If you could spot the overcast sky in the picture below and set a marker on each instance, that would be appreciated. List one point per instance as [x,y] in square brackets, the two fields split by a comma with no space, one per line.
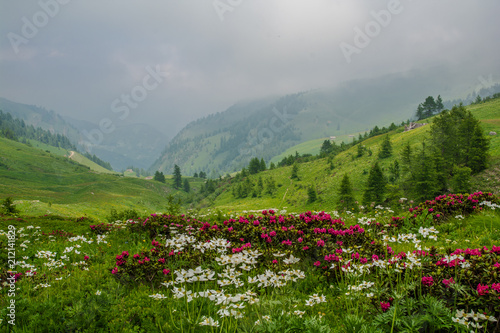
[79,58]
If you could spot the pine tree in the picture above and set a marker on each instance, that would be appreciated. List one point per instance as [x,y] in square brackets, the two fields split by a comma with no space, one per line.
[346,198]
[159,176]
[311,195]
[386,148]
[326,148]
[262,165]
[394,172]
[439,104]
[270,186]
[376,186]
[295,170]
[254,166]
[187,187]
[177,177]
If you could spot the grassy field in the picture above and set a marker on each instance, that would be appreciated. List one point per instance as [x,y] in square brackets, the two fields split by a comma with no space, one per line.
[326,181]
[124,277]
[48,183]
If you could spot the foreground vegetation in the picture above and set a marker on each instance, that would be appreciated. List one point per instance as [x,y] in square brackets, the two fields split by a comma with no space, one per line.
[431,267]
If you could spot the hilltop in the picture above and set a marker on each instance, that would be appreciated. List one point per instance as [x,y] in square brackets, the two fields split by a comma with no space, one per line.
[48,182]
[318,173]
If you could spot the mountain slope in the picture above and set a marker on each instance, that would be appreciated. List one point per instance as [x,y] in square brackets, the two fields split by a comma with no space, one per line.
[293,194]
[226,141]
[128,144]
[48,183]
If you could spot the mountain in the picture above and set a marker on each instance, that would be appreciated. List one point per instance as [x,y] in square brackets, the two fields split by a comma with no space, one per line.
[127,145]
[324,175]
[226,141]
[46,182]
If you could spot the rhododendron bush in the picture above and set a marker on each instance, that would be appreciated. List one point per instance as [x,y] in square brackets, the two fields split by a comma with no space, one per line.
[267,271]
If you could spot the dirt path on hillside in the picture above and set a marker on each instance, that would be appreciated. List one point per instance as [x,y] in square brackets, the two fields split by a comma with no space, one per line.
[71,153]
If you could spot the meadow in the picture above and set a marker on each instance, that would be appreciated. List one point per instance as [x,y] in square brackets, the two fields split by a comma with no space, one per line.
[431,267]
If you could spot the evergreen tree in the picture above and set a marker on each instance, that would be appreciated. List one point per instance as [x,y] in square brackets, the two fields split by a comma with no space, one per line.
[361,150]
[429,107]
[187,187]
[270,186]
[254,166]
[8,207]
[159,176]
[394,172]
[439,104]
[195,175]
[272,166]
[461,179]
[311,195]
[326,148]
[262,165]
[459,140]
[346,198]
[295,170]
[177,177]
[376,186]
[386,148]
[423,176]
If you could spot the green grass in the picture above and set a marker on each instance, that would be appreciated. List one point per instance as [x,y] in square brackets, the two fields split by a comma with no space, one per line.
[292,194]
[44,183]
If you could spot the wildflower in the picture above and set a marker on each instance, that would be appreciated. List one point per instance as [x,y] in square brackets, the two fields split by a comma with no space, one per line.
[448,282]
[98,292]
[86,258]
[166,271]
[321,242]
[385,306]
[209,322]
[482,290]
[427,281]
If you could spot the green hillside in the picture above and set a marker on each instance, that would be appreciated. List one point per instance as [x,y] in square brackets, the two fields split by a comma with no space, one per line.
[48,183]
[293,194]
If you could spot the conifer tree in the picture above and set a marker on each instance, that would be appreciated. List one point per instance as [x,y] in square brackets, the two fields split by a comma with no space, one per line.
[295,170]
[177,177]
[262,165]
[386,148]
[311,195]
[346,198]
[187,187]
[375,187]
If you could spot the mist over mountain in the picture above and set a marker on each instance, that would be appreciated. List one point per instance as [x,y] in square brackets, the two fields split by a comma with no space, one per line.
[127,144]
[226,141]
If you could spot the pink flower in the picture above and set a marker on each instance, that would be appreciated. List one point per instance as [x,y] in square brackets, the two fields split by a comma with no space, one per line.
[448,282]
[272,233]
[264,235]
[305,248]
[321,242]
[114,270]
[275,261]
[385,306]
[86,258]
[431,210]
[287,242]
[374,257]
[497,265]
[427,281]
[166,271]
[496,287]
[125,254]
[482,290]
[299,239]
[161,260]
[317,264]
[256,223]
[284,228]
[136,256]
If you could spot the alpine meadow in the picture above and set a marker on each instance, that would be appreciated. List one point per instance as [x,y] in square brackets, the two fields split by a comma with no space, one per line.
[233,166]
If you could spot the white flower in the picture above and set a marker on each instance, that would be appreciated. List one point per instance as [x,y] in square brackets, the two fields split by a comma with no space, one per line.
[98,292]
[209,322]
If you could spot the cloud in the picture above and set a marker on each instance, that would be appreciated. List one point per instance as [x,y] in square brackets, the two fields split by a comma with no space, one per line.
[91,52]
